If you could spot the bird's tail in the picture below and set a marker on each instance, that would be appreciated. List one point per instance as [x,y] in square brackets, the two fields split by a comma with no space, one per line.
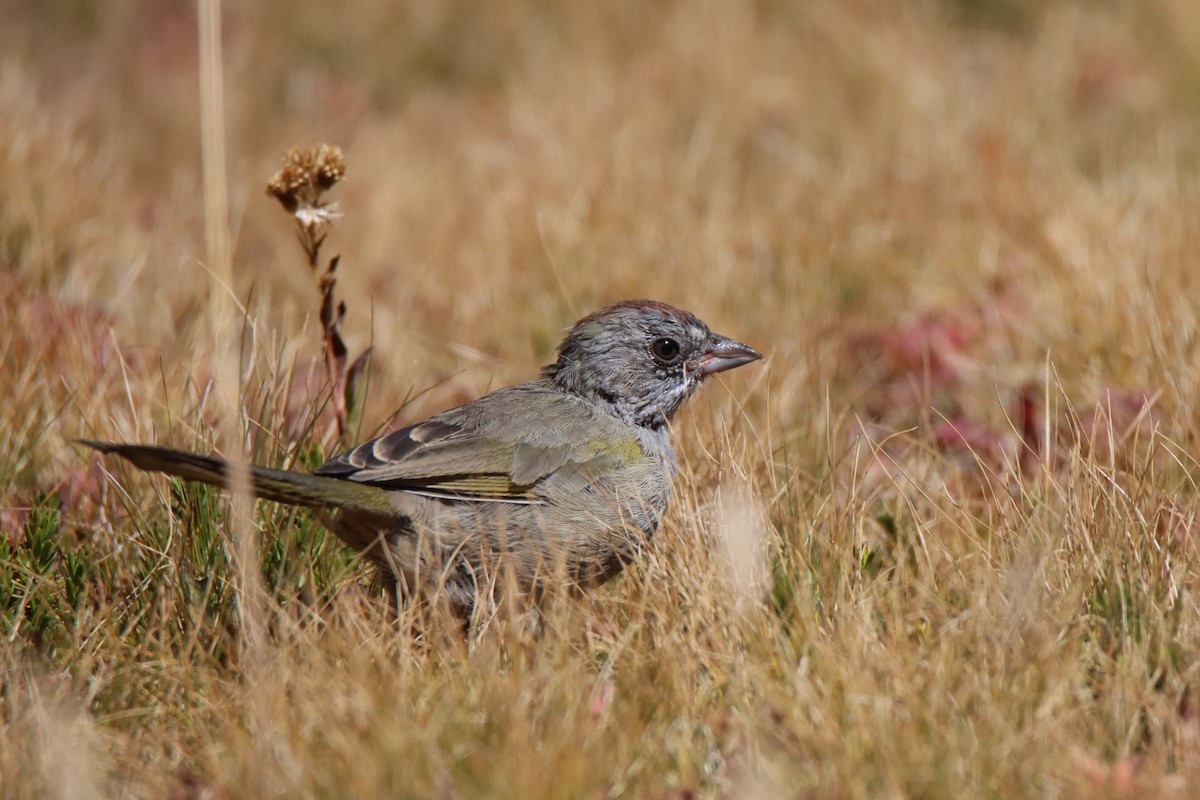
[293,488]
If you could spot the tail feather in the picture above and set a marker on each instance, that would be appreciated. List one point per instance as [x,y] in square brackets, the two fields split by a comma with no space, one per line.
[281,486]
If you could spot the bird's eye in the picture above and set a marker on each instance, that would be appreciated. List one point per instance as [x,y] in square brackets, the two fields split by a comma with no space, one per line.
[665,349]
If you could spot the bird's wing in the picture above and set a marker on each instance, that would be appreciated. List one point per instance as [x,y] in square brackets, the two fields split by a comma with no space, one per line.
[508,446]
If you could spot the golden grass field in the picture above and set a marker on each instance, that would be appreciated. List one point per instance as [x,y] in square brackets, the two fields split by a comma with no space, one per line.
[939,545]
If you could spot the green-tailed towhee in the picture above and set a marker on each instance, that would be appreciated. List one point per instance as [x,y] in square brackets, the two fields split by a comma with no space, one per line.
[566,475]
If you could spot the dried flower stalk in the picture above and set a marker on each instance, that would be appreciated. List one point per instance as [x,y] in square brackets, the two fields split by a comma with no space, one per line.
[300,187]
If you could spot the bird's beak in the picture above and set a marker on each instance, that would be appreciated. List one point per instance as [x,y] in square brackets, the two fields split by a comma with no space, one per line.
[723,354]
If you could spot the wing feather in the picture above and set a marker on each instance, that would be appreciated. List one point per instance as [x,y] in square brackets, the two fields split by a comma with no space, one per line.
[475,451]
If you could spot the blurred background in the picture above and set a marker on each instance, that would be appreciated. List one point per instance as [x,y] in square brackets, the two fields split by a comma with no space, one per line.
[796,173]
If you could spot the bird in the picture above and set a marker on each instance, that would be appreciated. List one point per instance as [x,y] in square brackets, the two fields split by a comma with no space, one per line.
[564,478]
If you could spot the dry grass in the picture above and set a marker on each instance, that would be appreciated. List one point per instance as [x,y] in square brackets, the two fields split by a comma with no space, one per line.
[939,546]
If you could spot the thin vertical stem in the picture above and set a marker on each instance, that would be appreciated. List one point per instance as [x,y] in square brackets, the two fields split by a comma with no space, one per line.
[222,309]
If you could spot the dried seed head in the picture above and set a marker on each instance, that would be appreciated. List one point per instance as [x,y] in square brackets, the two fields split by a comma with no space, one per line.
[329,165]
[308,172]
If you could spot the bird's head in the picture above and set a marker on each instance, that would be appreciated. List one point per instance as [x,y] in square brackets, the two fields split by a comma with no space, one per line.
[642,359]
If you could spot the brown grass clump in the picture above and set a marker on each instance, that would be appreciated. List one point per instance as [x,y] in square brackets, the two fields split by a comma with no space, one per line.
[942,545]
